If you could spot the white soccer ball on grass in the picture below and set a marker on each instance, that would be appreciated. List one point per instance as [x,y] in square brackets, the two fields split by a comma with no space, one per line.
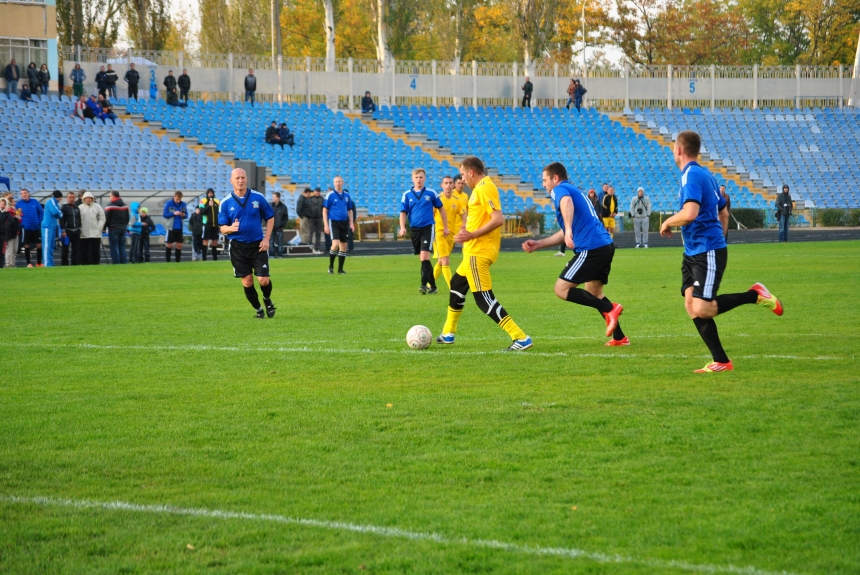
[419,337]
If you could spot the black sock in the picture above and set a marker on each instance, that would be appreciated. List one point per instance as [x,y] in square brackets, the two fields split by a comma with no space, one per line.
[331,256]
[708,330]
[341,257]
[252,296]
[178,253]
[423,274]
[729,301]
[205,252]
[582,297]
[27,255]
[39,256]
[267,290]
[427,274]
[167,254]
[215,253]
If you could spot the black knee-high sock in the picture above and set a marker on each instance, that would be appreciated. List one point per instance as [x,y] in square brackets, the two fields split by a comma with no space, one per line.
[427,274]
[39,256]
[267,290]
[729,301]
[582,297]
[341,257]
[167,254]
[617,334]
[178,253]
[27,254]
[708,330]
[205,252]
[215,253]
[331,255]
[252,296]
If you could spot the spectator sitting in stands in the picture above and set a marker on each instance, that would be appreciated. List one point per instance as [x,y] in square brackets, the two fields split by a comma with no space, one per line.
[80,108]
[95,110]
[286,136]
[26,95]
[272,136]
[367,104]
[106,110]
[173,99]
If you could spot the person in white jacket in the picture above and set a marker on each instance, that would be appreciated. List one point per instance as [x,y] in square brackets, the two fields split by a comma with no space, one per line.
[640,211]
[92,223]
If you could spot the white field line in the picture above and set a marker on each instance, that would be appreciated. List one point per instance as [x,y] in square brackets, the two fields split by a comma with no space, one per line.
[391,532]
[368,351]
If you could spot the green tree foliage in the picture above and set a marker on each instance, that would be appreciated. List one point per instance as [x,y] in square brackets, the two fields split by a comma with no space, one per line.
[237,26]
[148,23]
[89,23]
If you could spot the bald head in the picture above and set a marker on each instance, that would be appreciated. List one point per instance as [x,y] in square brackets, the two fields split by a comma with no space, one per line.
[240,181]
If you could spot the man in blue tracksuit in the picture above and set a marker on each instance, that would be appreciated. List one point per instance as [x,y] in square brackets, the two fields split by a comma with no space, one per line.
[31,223]
[175,211]
[51,227]
[418,204]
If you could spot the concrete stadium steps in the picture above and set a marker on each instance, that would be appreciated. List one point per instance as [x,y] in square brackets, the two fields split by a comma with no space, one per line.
[415,140]
[667,141]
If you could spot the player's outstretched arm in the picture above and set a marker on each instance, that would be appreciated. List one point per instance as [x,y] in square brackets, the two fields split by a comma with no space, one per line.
[530,246]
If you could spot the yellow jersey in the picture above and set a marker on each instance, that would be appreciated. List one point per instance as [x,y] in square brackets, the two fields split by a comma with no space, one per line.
[454,209]
[483,202]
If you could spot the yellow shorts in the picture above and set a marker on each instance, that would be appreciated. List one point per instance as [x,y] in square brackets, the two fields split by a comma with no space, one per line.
[443,246]
[609,223]
[477,271]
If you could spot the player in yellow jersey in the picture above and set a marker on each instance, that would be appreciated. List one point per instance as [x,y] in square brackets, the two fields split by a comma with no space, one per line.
[444,245]
[481,239]
[459,184]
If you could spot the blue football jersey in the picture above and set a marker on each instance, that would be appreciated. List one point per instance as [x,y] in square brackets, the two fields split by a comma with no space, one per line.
[419,206]
[251,211]
[705,233]
[337,205]
[588,230]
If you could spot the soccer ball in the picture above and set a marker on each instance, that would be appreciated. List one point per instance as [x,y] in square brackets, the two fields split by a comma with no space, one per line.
[419,337]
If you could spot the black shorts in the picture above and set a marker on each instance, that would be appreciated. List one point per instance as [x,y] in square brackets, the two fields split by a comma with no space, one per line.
[174,237]
[247,258]
[589,265]
[210,233]
[422,239]
[32,237]
[704,272]
[339,230]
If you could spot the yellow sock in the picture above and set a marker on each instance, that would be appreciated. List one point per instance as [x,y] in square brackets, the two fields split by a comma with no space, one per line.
[451,320]
[446,271]
[438,270]
[511,327]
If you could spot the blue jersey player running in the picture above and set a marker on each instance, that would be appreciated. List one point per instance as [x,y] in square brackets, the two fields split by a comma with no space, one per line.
[239,219]
[704,220]
[581,230]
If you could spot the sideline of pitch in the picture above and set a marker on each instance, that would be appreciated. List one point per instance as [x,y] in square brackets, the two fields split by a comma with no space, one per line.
[391,532]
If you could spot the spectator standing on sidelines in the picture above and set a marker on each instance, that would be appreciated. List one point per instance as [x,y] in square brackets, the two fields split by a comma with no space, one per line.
[101,81]
[420,204]
[184,84]
[31,224]
[209,208]
[195,226]
[71,224]
[175,211]
[281,215]
[110,81]
[147,226]
[116,223]
[703,220]
[640,211]
[132,78]
[303,213]
[608,210]
[78,76]
[12,73]
[33,78]
[4,220]
[92,222]
[337,221]
[315,215]
[784,207]
[134,233]
[250,86]
[528,87]
[169,83]
[45,79]
[578,94]
[12,227]
[240,217]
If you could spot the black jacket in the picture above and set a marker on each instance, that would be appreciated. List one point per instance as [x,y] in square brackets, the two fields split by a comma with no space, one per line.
[116,215]
[10,225]
[12,73]
[209,210]
[271,134]
[251,83]
[315,204]
[44,76]
[71,220]
[528,87]
[4,217]
[783,204]
[281,215]
[33,77]
[195,224]
[184,82]
[101,80]
[111,77]
[302,208]
[609,206]
[146,226]
[170,83]
[132,77]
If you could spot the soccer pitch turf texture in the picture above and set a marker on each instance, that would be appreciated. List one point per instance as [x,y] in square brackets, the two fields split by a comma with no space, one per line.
[150,424]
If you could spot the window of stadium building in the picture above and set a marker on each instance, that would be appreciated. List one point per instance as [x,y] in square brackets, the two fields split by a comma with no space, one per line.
[24,51]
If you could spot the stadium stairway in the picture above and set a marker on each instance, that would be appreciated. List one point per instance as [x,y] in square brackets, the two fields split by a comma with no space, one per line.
[665,139]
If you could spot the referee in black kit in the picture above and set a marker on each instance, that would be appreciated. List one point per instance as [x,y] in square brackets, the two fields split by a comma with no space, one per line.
[239,219]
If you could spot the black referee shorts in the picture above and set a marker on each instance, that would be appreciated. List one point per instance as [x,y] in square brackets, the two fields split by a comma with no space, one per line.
[704,272]
[32,237]
[422,239]
[589,265]
[339,230]
[174,237]
[247,259]
[210,233]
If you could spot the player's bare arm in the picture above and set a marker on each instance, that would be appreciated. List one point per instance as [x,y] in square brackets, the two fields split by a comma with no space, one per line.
[402,231]
[325,221]
[530,246]
[687,214]
[444,222]
[724,220]
[351,220]
[567,215]
[496,221]
[270,225]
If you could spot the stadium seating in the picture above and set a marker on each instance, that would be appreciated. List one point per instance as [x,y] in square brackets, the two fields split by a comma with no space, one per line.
[814,151]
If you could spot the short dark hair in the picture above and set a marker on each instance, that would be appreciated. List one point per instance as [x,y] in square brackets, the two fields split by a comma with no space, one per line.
[276,194]
[556,169]
[307,191]
[114,193]
[690,142]
[473,163]
[457,177]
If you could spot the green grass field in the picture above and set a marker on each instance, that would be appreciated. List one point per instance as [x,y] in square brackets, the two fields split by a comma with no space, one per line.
[149,424]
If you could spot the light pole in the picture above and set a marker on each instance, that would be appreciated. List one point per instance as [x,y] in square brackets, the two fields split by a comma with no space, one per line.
[855,73]
[584,65]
